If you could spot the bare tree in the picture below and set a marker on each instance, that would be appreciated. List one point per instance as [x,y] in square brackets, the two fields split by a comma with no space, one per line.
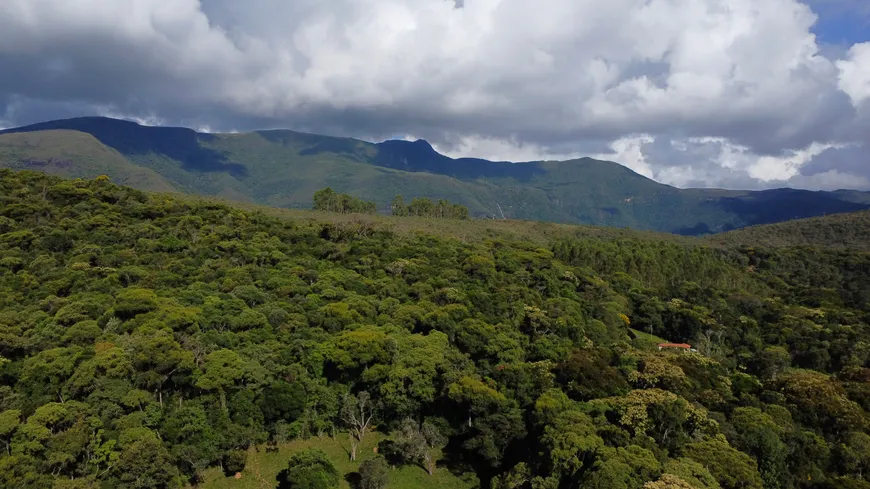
[709,343]
[357,413]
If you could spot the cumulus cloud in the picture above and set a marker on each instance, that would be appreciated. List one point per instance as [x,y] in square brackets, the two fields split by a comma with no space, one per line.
[661,86]
[855,73]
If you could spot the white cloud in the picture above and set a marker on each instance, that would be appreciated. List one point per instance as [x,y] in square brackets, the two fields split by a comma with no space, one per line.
[767,168]
[628,151]
[694,161]
[855,73]
[141,119]
[739,84]
[495,149]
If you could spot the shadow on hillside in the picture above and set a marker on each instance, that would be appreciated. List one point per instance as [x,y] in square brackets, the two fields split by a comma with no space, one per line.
[699,229]
[768,207]
[778,205]
[314,144]
[131,139]
[420,156]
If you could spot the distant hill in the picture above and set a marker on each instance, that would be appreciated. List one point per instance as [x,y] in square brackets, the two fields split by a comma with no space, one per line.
[284,168]
[849,231]
[75,154]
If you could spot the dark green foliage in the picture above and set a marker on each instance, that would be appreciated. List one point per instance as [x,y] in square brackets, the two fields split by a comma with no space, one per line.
[235,461]
[424,207]
[283,401]
[839,231]
[146,338]
[587,374]
[374,473]
[309,469]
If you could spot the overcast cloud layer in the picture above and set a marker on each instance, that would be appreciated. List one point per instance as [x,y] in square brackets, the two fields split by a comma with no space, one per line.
[733,93]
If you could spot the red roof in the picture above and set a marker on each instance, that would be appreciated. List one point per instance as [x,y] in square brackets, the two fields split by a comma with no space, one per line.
[674,345]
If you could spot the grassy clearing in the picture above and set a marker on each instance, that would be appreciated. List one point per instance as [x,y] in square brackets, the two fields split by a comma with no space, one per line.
[263,468]
[645,340]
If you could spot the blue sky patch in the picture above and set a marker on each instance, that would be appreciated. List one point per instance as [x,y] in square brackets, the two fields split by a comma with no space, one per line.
[841,22]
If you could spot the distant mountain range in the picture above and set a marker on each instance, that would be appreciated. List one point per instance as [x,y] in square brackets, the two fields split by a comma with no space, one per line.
[284,168]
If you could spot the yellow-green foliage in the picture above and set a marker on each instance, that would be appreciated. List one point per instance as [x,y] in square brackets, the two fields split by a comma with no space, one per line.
[147,340]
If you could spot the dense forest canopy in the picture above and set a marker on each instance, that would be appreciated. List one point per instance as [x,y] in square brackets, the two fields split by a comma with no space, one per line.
[145,338]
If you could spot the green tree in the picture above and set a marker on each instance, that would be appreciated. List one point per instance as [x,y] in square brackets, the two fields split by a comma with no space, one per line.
[516,478]
[668,481]
[374,473]
[854,454]
[398,206]
[325,200]
[283,401]
[309,469]
[421,207]
[758,434]
[143,461]
[157,357]
[131,302]
[571,442]
[771,362]
[419,443]
[623,468]
[22,472]
[234,461]
[692,472]
[9,422]
[221,371]
[732,468]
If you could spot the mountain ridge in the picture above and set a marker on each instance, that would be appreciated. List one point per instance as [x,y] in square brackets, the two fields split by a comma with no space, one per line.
[283,168]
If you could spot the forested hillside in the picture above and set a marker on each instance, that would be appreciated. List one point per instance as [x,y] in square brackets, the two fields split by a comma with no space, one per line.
[844,231]
[146,338]
[284,168]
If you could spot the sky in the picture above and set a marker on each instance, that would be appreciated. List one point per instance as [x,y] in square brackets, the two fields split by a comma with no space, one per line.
[742,94]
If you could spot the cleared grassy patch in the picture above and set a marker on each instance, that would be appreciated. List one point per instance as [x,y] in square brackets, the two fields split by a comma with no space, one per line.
[645,340]
[263,468]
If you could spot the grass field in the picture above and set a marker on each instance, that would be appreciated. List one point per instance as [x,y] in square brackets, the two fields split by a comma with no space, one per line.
[263,468]
[646,341]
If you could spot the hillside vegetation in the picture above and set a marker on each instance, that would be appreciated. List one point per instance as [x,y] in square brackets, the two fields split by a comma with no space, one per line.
[74,154]
[842,231]
[283,168]
[150,341]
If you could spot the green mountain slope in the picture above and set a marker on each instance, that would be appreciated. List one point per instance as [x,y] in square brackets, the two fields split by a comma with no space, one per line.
[74,154]
[283,168]
[839,231]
